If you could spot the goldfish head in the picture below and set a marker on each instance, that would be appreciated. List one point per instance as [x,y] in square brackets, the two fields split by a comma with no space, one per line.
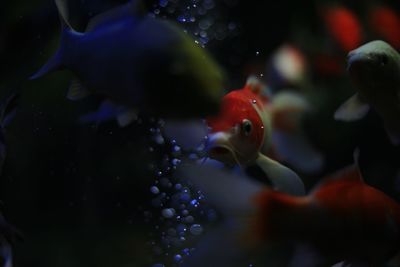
[242,126]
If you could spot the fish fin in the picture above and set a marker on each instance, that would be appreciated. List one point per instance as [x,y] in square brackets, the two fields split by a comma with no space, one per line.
[282,178]
[231,193]
[63,11]
[287,110]
[289,99]
[353,109]
[133,8]
[258,87]
[236,197]
[127,117]
[53,64]
[296,150]
[8,109]
[77,91]
[109,111]
[350,173]
[189,135]
[290,142]
[106,111]
[68,37]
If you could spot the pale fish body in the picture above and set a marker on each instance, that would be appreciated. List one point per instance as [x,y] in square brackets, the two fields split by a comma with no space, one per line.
[374,69]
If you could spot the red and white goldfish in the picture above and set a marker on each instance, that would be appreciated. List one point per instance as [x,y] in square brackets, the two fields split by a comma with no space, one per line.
[242,129]
[342,219]
[139,62]
[250,121]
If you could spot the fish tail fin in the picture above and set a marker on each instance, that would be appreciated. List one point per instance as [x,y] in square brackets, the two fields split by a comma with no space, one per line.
[254,216]
[290,142]
[235,197]
[68,37]
[108,111]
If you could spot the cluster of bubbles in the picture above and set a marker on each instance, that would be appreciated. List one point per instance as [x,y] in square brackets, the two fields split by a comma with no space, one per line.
[200,18]
[179,212]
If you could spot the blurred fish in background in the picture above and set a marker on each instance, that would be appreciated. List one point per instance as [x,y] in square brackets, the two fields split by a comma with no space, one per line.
[374,69]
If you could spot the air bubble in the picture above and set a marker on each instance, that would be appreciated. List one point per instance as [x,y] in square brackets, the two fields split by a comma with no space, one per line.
[196,229]
[168,213]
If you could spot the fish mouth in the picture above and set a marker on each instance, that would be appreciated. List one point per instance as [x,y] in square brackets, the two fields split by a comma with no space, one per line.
[220,148]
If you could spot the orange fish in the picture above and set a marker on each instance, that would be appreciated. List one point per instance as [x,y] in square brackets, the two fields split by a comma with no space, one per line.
[251,120]
[343,219]
[240,132]
[386,23]
[343,26]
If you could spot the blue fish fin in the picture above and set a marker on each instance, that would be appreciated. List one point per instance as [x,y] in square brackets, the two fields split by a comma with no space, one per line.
[8,109]
[68,37]
[109,111]
[353,109]
[77,91]
[53,64]
[133,8]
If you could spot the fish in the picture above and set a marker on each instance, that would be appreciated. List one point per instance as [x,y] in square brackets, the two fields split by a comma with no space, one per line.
[341,219]
[253,124]
[374,71]
[287,67]
[385,22]
[343,26]
[242,129]
[142,63]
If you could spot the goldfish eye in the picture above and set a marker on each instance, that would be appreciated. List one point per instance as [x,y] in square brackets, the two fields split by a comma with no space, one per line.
[247,127]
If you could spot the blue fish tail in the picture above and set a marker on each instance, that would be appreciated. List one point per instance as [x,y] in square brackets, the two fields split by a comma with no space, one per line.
[68,37]
[59,59]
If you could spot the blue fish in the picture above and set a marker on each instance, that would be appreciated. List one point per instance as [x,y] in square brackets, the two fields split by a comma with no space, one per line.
[140,62]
